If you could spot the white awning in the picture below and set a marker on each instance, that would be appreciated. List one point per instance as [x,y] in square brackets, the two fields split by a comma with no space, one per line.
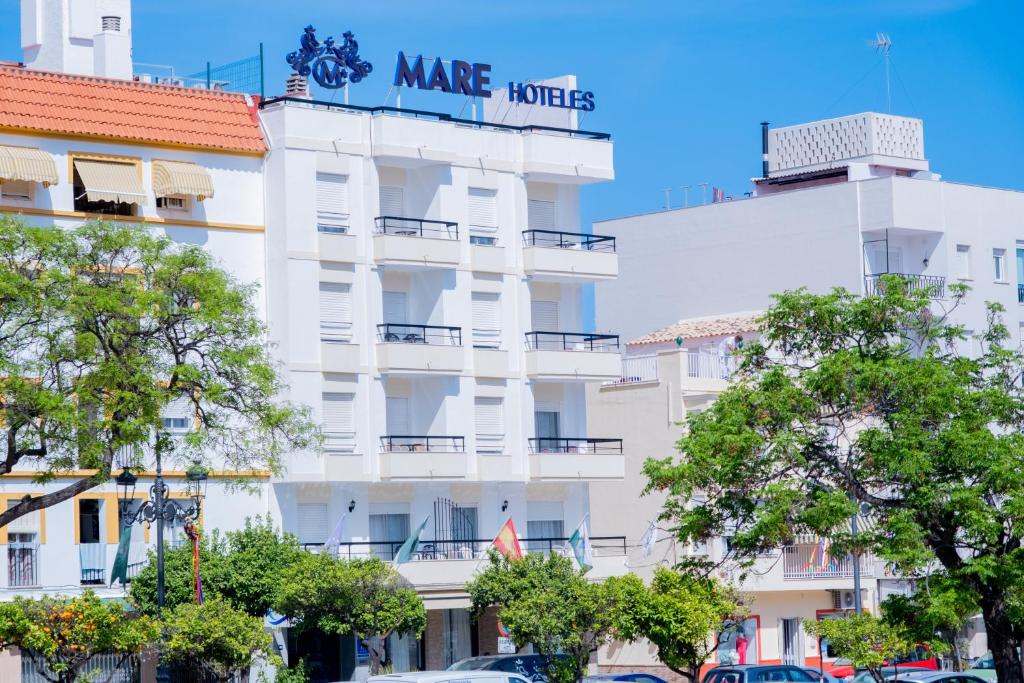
[110,181]
[27,164]
[181,178]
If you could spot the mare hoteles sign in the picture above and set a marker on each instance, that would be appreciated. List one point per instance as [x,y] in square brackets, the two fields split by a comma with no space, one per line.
[473,79]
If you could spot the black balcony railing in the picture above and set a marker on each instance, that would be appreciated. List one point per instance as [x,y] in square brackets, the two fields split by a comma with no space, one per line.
[416,227]
[571,445]
[423,444]
[571,341]
[468,549]
[567,240]
[933,284]
[22,564]
[436,335]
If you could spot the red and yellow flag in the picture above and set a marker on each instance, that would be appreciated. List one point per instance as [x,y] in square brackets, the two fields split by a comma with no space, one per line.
[507,541]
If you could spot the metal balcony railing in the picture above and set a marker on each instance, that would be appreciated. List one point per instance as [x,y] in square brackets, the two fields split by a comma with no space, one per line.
[22,564]
[436,335]
[568,240]
[416,227]
[576,445]
[571,341]
[423,444]
[637,369]
[935,285]
[468,549]
[816,562]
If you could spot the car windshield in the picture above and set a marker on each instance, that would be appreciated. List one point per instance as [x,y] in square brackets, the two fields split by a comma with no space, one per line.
[471,664]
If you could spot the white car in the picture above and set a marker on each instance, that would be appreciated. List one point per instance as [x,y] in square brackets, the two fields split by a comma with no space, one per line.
[450,677]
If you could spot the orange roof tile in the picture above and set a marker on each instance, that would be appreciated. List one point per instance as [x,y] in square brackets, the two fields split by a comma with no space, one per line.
[128,111]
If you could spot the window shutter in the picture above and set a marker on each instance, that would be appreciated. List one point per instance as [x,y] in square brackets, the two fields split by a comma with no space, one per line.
[540,214]
[26,524]
[486,319]
[489,416]
[392,201]
[483,210]
[397,417]
[312,522]
[395,308]
[335,310]
[339,421]
[332,198]
[544,315]
[178,415]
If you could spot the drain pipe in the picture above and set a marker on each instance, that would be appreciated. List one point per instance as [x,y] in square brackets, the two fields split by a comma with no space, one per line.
[764,149]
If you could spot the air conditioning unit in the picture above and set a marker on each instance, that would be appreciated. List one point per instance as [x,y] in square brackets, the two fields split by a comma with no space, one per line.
[842,599]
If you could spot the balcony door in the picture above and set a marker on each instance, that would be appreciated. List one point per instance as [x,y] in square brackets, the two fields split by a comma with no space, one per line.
[547,426]
[881,257]
[792,643]
[392,201]
[540,214]
[397,416]
[388,530]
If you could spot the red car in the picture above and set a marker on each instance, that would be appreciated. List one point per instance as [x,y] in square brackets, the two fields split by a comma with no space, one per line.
[921,658]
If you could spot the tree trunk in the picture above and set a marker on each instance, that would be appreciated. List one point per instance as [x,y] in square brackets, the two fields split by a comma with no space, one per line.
[1000,639]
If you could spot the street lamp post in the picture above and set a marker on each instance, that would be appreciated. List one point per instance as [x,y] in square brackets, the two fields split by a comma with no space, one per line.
[159,508]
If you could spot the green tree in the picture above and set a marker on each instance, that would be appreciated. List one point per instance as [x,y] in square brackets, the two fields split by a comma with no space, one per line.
[101,327]
[867,641]
[938,611]
[547,601]
[681,614]
[850,400]
[62,635]
[366,597]
[245,567]
[215,640]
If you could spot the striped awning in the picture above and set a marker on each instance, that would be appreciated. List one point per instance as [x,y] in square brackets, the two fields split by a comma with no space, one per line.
[109,181]
[181,178]
[27,163]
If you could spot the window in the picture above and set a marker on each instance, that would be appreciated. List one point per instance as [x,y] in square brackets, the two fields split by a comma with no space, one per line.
[388,530]
[999,265]
[107,187]
[540,214]
[544,315]
[392,201]
[339,422]
[550,530]
[547,428]
[16,191]
[175,203]
[1020,272]
[178,415]
[332,213]
[963,261]
[395,309]
[88,521]
[23,549]
[486,325]
[490,425]
[483,216]
[335,311]
[397,416]
[312,518]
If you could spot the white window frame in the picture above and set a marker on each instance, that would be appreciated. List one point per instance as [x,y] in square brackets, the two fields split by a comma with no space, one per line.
[339,421]
[963,261]
[161,203]
[332,219]
[486,333]
[999,266]
[483,229]
[339,330]
[490,438]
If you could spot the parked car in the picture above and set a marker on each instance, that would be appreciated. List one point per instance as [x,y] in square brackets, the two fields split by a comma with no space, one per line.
[627,676]
[531,667]
[984,667]
[921,658]
[864,676]
[934,677]
[751,673]
[449,677]
[817,675]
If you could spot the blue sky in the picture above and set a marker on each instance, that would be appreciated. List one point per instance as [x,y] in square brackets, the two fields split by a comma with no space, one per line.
[680,85]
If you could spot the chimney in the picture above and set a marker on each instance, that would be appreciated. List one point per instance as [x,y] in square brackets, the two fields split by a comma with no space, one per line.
[764,149]
[87,37]
[297,86]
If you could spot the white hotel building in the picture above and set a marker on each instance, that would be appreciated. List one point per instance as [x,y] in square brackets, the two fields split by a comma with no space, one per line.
[421,278]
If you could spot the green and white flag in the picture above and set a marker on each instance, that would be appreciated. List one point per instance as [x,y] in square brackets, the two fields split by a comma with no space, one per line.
[120,570]
[581,548]
[411,543]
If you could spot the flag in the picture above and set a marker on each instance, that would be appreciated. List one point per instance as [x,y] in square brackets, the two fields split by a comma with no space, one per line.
[507,541]
[581,548]
[411,543]
[333,542]
[649,538]
[120,570]
[717,195]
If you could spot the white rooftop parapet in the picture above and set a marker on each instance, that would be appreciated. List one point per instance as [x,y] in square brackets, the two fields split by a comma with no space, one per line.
[868,138]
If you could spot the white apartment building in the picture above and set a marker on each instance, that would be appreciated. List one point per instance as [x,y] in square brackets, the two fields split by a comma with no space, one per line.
[424,279]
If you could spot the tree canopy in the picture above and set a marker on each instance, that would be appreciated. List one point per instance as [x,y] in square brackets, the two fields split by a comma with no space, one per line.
[101,328]
[545,600]
[864,639]
[364,596]
[848,401]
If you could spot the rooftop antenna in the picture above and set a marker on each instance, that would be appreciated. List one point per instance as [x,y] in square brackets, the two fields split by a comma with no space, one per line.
[883,44]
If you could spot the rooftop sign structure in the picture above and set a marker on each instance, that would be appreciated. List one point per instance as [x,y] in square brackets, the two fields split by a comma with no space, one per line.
[332,66]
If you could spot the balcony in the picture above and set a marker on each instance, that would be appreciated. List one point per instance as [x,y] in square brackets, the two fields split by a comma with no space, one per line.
[566,256]
[22,565]
[814,561]
[423,457]
[415,242]
[467,549]
[420,349]
[576,459]
[93,560]
[572,356]
[933,284]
